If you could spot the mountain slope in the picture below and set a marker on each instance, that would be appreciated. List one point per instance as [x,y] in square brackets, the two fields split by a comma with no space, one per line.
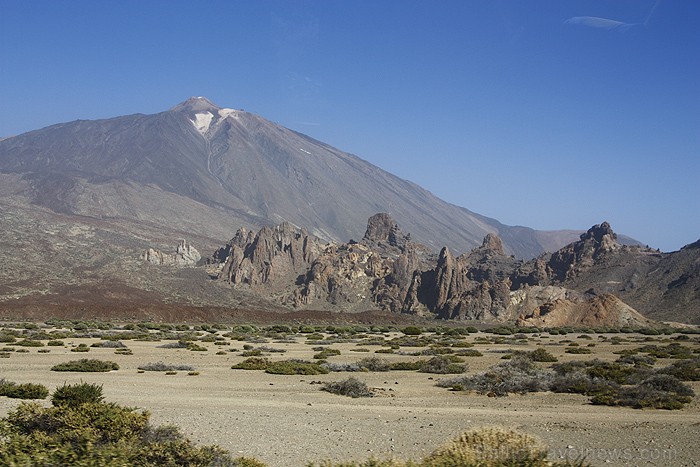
[229,169]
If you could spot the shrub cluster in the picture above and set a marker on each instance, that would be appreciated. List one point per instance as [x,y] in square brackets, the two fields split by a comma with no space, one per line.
[22,391]
[295,367]
[81,429]
[86,365]
[351,387]
[160,366]
[493,447]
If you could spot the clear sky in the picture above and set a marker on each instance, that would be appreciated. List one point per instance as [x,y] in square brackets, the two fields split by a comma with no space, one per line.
[550,114]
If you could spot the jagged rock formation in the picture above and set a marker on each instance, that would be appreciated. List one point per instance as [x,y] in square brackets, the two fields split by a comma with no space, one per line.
[386,270]
[273,259]
[185,255]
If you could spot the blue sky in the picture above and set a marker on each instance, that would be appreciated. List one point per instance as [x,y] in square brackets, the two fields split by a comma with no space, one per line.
[550,114]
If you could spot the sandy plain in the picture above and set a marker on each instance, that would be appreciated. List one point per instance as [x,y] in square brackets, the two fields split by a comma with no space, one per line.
[287,421]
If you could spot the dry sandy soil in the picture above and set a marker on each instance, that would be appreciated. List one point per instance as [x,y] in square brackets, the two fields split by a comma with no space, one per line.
[288,421]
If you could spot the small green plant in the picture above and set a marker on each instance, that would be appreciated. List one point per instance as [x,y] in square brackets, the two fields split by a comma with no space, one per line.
[350,387]
[295,367]
[412,331]
[374,364]
[86,365]
[542,355]
[325,353]
[80,348]
[160,366]
[74,395]
[443,365]
[23,391]
[29,343]
[252,363]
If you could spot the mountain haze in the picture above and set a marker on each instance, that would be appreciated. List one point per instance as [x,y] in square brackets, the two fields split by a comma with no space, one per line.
[210,170]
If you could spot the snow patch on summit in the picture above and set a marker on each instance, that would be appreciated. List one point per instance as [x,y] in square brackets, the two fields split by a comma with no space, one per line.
[223,113]
[202,121]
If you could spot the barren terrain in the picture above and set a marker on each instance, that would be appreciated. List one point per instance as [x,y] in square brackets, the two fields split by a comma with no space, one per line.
[287,421]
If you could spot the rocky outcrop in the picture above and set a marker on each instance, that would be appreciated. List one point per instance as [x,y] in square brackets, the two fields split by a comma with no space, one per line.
[185,255]
[273,259]
[569,261]
[386,270]
[603,310]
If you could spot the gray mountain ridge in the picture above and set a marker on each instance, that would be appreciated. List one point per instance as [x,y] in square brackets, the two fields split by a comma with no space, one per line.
[212,170]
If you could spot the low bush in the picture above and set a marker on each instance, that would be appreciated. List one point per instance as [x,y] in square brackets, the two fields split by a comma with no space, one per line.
[86,365]
[110,344]
[325,353]
[80,348]
[295,367]
[373,364]
[684,370]
[23,391]
[252,363]
[407,366]
[98,433]
[490,446]
[578,350]
[29,343]
[542,355]
[443,365]
[412,331]
[517,375]
[469,353]
[658,392]
[351,387]
[160,366]
[74,395]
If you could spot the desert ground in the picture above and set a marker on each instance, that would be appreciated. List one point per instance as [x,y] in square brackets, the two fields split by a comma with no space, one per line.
[286,420]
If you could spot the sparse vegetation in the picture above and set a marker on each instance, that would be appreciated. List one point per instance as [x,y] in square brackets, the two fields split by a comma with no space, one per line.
[74,395]
[97,433]
[86,365]
[295,367]
[160,366]
[22,391]
[351,387]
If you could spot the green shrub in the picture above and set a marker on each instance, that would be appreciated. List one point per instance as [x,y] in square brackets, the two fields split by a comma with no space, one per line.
[325,353]
[374,364]
[160,366]
[97,434]
[55,343]
[407,366]
[658,392]
[80,348]
[542,355]
[29,343]
[86,365]
[578,350]
[295,367]
[469,353]
[253,363]
[7,338]
[23,391]
[684,370]
[442,365]
[351,387]
[517,375]
[77,394]
[412,331]
[492,447]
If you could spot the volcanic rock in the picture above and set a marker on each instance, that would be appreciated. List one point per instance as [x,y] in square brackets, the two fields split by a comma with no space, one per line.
[185,255]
